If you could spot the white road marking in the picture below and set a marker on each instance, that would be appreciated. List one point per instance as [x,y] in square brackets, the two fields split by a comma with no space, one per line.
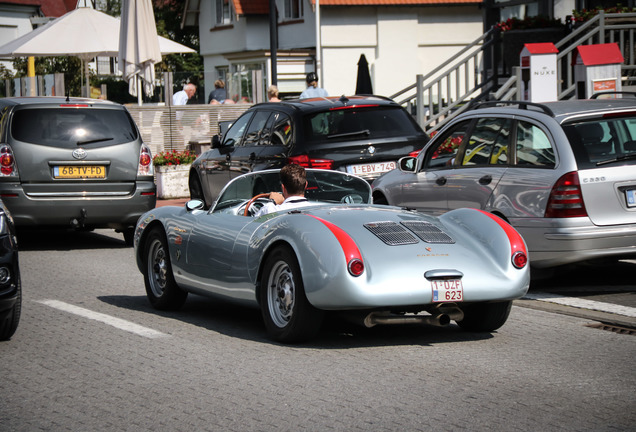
[583,303]
[103,318]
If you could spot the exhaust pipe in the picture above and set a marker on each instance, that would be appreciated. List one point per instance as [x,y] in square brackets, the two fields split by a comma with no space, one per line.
[376,318]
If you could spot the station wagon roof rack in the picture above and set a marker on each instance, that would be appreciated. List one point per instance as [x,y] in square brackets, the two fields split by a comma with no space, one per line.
[521,104]
[613,93]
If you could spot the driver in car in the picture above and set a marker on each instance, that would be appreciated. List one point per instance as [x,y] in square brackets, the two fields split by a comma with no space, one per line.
[293,181]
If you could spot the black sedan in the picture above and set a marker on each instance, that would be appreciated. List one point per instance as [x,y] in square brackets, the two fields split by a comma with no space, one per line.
[361,135]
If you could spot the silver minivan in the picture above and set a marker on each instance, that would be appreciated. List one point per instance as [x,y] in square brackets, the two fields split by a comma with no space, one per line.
[562,173]
[72,162]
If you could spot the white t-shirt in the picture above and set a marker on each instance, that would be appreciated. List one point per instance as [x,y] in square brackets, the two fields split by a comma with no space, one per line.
[291,202]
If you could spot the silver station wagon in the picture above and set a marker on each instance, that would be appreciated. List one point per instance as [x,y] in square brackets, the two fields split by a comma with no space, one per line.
[562,173]
[75,163]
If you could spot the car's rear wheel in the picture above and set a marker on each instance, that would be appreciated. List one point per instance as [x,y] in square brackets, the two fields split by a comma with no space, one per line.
[288,315]
[161,288]
[485,317]
[9,319]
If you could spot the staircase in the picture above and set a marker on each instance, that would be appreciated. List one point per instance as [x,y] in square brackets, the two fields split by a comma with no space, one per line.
[474,73]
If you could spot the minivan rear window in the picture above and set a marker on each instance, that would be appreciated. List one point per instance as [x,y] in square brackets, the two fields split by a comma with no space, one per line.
[357,123]
[70,127]
[610,141]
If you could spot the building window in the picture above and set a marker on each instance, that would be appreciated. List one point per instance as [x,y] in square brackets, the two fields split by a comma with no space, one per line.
[223,12]
[293,9]
[247,82]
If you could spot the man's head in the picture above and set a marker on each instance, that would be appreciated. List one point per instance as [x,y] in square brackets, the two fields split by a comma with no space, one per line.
[312,79]
[294,179]
[190,90]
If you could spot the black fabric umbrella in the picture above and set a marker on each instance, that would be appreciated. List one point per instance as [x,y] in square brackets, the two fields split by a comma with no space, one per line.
[363,83]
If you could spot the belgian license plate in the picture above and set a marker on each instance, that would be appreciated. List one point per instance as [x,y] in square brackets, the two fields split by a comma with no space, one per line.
[450,290]
[78,172]
[371,168]
[631,197]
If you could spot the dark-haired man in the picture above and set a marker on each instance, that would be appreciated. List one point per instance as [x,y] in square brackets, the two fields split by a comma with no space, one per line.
[293,180]
[312,90]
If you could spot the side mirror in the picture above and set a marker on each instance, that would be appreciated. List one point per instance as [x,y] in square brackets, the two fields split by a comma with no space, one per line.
[216,141]
[407,164]
[194,204]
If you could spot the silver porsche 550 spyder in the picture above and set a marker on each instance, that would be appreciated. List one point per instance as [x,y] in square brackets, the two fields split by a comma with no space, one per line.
[378,264]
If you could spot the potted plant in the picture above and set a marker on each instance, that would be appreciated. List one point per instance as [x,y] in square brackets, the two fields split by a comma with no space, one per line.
[172,169]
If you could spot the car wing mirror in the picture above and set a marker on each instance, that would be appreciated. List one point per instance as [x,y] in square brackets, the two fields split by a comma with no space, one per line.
[407,164]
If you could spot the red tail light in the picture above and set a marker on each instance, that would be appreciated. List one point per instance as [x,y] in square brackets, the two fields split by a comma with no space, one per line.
[7,162]
[306,162]
[566,199]
[145,167]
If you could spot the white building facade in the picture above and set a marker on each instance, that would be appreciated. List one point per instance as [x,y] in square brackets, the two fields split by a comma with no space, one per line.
[398,39]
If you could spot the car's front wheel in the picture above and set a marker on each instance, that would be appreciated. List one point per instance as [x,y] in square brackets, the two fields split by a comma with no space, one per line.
[161,288]
[288,315]
[9,319]
[485,317]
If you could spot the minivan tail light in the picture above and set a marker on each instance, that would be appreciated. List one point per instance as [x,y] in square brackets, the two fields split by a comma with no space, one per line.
[306,162]
[566,198]
[7,162]
[145,167]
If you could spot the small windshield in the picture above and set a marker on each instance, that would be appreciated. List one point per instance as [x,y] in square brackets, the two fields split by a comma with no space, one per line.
[70,127]
[609,141]
[322,186]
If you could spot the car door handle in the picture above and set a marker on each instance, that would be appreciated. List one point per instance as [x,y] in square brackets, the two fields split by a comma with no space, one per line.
[485,180]
[228,157]
[441,181]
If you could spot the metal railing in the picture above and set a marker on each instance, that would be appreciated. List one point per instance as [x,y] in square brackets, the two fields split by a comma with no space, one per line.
[448,90]
[459,79]
[603,28]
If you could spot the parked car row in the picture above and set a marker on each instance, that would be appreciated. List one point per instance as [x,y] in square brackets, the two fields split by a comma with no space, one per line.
[561,173]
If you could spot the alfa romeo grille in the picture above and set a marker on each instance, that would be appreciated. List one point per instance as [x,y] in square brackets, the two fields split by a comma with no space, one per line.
[428,232]
[391,233]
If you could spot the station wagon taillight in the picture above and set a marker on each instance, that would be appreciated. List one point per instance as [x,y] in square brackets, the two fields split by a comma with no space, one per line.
[7,162]
[145,167]
[306,162]
[566,198]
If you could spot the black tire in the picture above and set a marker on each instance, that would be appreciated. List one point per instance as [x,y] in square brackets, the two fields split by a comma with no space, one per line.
[288,315]
[485,317]
[161,288]
[196,189]
[380,200]
[9,319]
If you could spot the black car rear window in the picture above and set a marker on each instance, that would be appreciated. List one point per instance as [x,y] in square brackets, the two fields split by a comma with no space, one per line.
[70,127]
[354,123]
[603,142]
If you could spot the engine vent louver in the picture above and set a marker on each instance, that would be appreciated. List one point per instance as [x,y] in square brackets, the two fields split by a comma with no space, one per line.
[395,234]
[428,232]
[391,233]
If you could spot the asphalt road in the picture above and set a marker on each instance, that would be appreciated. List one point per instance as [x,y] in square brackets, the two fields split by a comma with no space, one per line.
[91,354]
